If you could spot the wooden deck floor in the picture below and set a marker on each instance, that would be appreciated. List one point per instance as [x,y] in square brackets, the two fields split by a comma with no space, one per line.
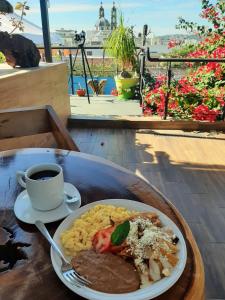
[189,169]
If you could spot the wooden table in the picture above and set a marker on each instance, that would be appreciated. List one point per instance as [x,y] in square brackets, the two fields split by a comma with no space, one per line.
[32,277]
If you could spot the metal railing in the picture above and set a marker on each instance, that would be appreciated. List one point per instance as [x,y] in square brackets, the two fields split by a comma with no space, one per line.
[144,56]
[70,57]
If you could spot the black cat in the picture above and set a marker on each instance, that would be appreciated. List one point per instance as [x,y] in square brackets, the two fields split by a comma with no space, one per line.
[19,51]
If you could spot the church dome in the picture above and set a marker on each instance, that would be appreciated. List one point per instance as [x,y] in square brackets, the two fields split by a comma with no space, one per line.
[103,24]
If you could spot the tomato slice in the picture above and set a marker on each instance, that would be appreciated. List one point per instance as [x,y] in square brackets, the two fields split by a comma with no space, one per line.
[101,241]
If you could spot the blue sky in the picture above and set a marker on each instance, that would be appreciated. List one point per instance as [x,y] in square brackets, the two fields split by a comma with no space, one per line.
[160,15]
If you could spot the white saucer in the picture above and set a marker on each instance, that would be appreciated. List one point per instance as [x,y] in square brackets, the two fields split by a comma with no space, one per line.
[26,213]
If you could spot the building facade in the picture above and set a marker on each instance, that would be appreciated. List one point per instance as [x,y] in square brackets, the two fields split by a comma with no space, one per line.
[67,36]
[96,37]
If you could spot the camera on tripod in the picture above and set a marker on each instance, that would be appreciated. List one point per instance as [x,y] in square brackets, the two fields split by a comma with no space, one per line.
[80,38]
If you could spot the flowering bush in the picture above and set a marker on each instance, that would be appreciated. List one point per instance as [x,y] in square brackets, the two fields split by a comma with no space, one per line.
[201,94]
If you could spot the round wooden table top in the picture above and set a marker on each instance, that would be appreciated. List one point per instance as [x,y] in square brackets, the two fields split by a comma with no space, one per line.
[29,273]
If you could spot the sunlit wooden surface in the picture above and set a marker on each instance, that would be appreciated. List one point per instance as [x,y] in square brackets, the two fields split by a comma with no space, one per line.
[187,167]
[46,84]
[33,127]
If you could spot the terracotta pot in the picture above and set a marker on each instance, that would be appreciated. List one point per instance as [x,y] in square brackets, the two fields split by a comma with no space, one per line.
[81,92]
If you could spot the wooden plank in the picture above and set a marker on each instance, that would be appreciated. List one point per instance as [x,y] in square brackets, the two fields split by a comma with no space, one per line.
[31,141]
[45,85]
[60,132]
[17,124]
[23,122]
[140,123]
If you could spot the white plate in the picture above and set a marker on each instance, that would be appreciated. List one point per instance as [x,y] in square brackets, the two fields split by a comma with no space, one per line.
[26,213]
[147,293]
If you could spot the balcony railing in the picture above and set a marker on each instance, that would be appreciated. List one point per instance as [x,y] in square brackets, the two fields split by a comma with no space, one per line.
[147,64]
[169,74]
[101,65]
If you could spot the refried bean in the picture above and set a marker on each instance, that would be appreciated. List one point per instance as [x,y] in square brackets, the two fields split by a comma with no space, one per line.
[107,272]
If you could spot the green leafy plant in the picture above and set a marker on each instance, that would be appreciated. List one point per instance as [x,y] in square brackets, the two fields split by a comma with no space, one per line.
[181,51]
[121,45]
[97,69]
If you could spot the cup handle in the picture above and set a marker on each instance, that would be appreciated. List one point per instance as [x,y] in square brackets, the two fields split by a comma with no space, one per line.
[19,176]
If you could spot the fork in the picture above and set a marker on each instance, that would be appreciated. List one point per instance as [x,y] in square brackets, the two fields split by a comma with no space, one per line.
[68,272]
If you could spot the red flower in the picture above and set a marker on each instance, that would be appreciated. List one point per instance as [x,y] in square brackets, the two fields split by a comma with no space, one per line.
[198,53]
[161,78]
[186,87]
[114,92]
[219,52]
[147,111]
[203,113]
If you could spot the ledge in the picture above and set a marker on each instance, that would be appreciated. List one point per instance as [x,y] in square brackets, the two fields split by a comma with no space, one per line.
[43,85]
[7,71]
[132,122]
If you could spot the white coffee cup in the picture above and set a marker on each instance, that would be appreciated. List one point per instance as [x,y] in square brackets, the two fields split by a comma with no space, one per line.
[45,194]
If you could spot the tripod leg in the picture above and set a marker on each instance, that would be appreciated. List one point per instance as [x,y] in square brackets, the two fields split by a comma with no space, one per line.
[85,56]
[72,64]
[71,73]
[85,73]
[75,58]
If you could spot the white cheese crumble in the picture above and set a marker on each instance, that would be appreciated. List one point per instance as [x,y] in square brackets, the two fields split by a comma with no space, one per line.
[145,240]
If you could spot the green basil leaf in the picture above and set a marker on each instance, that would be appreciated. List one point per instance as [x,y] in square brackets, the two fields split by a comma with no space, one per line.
[120,233]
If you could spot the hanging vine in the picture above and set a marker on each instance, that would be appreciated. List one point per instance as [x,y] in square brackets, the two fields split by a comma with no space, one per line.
[17,23]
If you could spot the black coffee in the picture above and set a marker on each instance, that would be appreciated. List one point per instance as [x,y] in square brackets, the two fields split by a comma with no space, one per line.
[44,175]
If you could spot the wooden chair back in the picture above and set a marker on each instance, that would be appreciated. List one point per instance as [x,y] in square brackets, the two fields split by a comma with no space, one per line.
[33,127]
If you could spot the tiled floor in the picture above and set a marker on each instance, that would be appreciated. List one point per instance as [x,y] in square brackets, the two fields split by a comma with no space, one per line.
[104,106]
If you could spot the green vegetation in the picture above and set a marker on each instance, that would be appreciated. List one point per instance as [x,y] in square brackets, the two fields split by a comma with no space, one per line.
[200,95]
[97,69]
[121,46]
[181,51]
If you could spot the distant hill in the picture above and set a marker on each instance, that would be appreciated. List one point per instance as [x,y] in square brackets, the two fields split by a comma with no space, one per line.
[178,37]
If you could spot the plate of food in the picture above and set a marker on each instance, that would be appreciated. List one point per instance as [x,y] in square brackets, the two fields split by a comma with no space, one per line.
[126,249]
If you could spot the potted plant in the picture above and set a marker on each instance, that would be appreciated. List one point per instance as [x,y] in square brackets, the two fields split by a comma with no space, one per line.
[121,45]
[81,92]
